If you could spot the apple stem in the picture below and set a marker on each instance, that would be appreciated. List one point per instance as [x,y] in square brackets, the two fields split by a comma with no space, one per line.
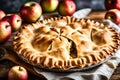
[33,5]
[7,26]
[20,68]
[18,20]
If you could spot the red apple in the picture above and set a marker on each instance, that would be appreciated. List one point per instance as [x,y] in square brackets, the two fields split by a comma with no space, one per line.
[17,73]
[113,15]
[66,7]
[5,31]
[49,5]
[31,11]
[2,14]
[14,20]
[112,4]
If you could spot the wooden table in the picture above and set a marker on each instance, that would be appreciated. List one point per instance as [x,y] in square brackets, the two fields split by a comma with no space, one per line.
[5,65]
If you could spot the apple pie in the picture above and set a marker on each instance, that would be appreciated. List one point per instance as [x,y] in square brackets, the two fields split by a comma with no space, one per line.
[66,42]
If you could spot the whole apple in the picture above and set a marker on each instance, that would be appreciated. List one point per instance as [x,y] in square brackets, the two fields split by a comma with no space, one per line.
[14,20]
[66,7]
[2,14]
[5,31]
[112,4]
[49,5]
[31,11]
[17,73]
[113,15]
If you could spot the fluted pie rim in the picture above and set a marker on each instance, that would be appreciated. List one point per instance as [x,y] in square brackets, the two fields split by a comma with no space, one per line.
[27,47]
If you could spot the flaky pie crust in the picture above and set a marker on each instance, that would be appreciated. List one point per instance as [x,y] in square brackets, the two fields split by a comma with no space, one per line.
[66,42]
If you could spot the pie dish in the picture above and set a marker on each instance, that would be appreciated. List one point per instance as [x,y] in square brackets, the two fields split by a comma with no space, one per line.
[66,42]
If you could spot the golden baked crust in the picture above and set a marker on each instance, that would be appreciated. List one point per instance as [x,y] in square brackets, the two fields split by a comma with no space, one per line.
[66,42]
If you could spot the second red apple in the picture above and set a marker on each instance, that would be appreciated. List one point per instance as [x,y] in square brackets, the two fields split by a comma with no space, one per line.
[66,8]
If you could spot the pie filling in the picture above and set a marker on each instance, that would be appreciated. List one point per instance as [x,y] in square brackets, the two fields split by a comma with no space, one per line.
[66,42]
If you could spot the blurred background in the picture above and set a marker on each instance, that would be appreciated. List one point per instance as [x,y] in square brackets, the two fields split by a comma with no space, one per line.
[94,4]
[10,6]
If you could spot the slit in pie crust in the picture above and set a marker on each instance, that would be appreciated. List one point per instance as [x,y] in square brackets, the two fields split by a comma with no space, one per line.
[66,42]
